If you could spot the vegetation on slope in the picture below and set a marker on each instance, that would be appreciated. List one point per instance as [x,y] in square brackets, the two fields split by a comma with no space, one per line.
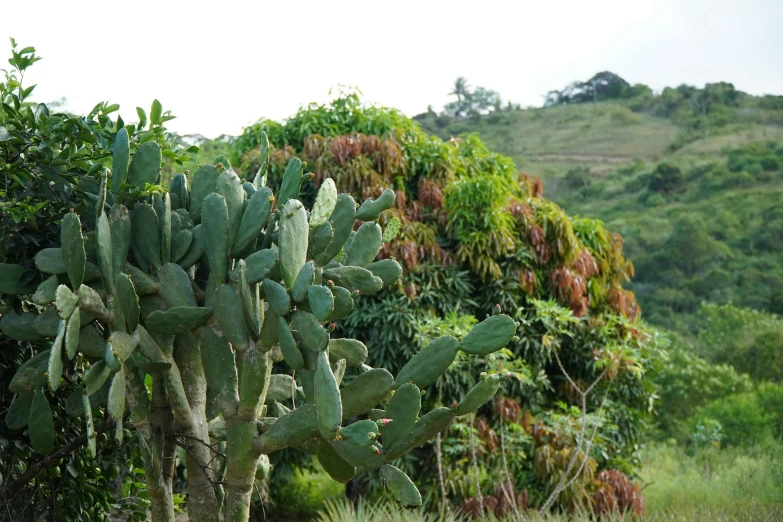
[689,177]
[695,193]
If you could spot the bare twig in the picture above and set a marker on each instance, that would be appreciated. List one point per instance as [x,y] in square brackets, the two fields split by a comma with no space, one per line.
[205,468]
[444,502]
[475,467]
[510,497]
[580,448]
[199,441]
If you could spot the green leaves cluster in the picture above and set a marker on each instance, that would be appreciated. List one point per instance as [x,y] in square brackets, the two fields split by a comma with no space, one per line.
[51,161]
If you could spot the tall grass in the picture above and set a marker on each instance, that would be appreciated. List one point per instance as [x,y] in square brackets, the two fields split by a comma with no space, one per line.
[739,478]
[385,512]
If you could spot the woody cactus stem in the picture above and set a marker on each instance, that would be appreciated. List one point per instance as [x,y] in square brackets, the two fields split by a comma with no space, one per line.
[204,288]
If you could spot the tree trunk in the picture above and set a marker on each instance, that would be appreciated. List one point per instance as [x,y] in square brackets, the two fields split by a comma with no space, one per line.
[162,463]
[162,503]
[241,432]
[202,459]
[240,468]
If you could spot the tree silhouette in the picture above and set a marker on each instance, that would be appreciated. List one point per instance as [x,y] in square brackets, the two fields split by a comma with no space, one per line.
[461,89]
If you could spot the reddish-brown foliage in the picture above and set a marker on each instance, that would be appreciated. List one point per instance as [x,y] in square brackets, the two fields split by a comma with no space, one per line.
[365,165]
[430,193]
[534,185]
[499,503]
[616,494]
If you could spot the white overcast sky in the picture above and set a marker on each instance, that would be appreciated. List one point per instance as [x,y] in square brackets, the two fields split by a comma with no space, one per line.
[221,65]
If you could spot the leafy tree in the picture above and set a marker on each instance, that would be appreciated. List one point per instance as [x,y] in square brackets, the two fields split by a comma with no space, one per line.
[690,247]
[578,180]
[686,381]
[471,103]
[48,162]
[475,234]
[748,340]
[602,86]
[741,416]
[461,89]
[666,178]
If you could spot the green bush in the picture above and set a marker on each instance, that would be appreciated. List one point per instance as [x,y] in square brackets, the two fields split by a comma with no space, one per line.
[666,178]
[770,163]
[742,417]
[748,340]
[653,199]
[770,397]
[685,382]
[635,184]
[305,493]
[624,116]
[755,157]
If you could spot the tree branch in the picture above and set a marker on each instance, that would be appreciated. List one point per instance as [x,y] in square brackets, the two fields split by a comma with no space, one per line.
[13,489]
[564,482]
[205,468]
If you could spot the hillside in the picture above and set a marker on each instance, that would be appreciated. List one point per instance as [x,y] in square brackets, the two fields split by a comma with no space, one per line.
[713,233]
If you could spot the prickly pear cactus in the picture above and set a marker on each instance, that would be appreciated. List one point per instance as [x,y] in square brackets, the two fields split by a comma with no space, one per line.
[204,288]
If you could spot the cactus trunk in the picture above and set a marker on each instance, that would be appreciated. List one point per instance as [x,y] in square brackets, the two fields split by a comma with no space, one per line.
[240,468]
[203,503]
[161,496]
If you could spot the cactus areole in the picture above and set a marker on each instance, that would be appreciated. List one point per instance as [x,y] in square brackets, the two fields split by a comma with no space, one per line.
[202,289]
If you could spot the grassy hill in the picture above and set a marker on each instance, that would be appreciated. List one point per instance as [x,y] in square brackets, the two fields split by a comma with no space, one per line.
[715,234]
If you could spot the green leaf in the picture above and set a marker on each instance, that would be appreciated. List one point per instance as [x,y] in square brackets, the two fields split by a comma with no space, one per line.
[41,424]
[142,117]
[19,412]
[155,112]
[11,277]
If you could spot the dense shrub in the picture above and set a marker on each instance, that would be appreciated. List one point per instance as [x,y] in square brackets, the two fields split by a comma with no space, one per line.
[756,156]
[743,419]
[666,178]
[686,381]
[748,340]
